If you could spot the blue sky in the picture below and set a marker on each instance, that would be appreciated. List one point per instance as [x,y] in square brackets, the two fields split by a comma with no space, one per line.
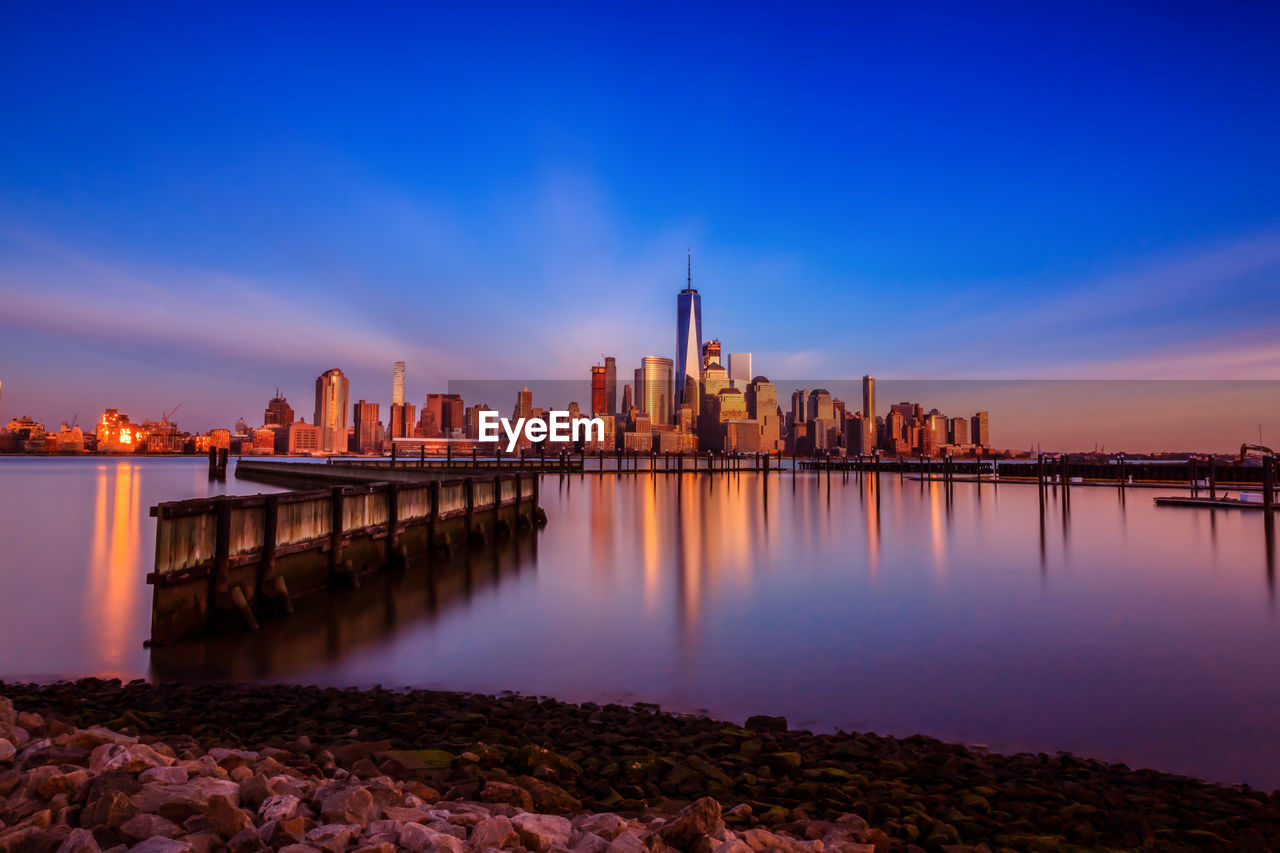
[202,203]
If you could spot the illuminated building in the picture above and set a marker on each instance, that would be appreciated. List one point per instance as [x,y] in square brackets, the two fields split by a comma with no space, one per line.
[610,385]
[978,433]
[820,407]
[303,438]
[654,395]
[402,420]
[741,435]
[264,442]
[868,412]
[688,337]
[473,420]
[710,353]
[959,431]
[220,439]
[799,406]
[115,434]
[397,384]
[740,369]
[626,400]
[599,393]
[364,418]
[279,412]
[762,407]
[331,411]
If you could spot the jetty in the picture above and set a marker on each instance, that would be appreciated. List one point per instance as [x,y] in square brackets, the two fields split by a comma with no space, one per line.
[229,560]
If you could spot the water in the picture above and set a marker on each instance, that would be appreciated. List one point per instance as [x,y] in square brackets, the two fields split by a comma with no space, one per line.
[1111,628]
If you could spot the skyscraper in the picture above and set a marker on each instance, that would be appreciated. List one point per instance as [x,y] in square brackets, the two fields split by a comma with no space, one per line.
[740,374]
[598,394]
[331,410]
[611,384]
[654,396]
[397,384]
[688,335]
[868,412]
[365,418]
[978,430]
[279,412]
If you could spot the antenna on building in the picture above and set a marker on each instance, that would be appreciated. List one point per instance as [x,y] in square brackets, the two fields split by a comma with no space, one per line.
[689,279]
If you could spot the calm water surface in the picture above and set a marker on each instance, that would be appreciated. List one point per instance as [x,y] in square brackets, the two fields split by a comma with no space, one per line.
[1111,628]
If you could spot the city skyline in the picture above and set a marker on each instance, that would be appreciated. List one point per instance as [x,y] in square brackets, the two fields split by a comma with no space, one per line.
[1011,212]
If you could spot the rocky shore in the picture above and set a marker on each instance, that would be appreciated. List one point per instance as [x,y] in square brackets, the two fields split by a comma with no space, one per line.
[100,765]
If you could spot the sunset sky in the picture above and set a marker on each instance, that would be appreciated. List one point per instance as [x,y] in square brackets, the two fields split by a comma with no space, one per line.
[202,204]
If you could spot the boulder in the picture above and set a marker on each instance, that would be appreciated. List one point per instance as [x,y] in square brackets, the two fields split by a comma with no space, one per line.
[493,832]
[345,802]
[143,826]
[80,841]
[607,825]
[225,817]
[697,820]
[332,837]
[179,801]
[541,832]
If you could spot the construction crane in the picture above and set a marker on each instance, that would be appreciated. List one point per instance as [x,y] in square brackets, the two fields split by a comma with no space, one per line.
[164,416]
[1257,448]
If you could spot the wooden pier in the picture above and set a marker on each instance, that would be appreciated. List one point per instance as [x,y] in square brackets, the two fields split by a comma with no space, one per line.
[233,559]
[616,462]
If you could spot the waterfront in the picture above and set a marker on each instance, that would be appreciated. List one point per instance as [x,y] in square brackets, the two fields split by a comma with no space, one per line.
[1115,629]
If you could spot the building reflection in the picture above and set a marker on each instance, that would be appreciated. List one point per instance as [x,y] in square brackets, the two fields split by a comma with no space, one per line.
[116,565]
[328,627]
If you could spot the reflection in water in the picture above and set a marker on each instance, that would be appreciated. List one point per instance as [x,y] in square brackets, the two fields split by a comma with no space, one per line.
[881,604]
[326,629]
[113,588]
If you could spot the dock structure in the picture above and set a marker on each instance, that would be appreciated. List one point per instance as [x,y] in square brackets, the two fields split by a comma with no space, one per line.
[599,462]
[228,560]
[1194,473]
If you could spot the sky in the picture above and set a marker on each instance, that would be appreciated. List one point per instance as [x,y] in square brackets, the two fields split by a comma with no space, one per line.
[201,204]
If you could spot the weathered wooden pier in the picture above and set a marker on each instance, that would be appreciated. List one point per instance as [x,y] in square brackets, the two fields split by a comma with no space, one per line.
[233,559]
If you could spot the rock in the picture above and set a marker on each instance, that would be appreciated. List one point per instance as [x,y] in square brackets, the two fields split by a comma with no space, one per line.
[7,751]
[80,841]
[246,841]
[541,832]
[627,841]
[8,716]
[332,837]
[144,826]
[763,839]
[181,800]
[159,844]
[280,807]
[225,818]
[418,838]
[130,758]
[345,802]
[607,825]
[170,775]
[764,723]
[278,833]
[733,845]
[205,842]
[504,792]
[492,832]
[700,818]
[548,796]
[589,842]
[111,809]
